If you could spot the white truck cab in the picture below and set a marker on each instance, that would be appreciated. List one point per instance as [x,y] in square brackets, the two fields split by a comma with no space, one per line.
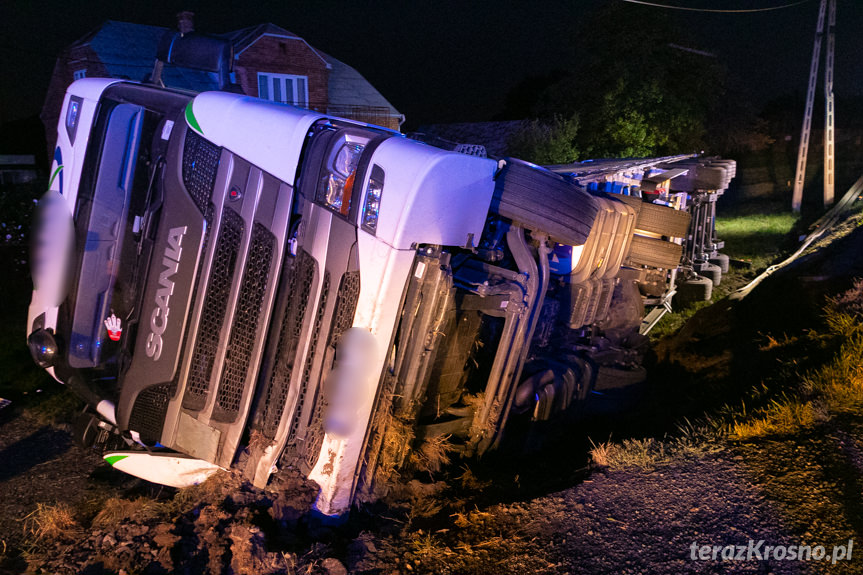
[215,275]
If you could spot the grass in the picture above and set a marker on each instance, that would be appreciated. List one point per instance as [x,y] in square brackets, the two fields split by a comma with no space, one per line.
[791,400]
[832,388]
[433,454]
[118,509]
[758,238]
[50,522]
[691,441]
[755,233]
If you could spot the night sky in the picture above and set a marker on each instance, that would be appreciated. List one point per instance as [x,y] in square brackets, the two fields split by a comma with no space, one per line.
[446,60]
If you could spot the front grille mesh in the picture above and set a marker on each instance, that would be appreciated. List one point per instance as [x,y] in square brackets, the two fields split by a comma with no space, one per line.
[292,450]
[148,412]
[213,313]
[346,306]
[200,165]
[245,324]
[301,271]
[343,318]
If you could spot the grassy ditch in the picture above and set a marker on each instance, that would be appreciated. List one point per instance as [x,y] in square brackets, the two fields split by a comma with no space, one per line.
[756,235]
[783,403]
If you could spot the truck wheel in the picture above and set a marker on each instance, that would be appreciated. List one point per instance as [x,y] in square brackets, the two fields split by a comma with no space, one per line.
[663,220]
[631,201]
[712,177]
[655,253]
[693,290]
[713,272]
[722,261]
[544,201]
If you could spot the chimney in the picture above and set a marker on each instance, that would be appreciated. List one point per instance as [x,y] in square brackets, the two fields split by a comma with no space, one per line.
[186,22]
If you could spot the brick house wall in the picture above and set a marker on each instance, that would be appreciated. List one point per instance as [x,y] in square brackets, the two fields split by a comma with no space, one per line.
[70,61]
[279,55]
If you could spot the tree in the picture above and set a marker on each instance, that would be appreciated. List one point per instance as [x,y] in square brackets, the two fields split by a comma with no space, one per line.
[638,93]
[546,141]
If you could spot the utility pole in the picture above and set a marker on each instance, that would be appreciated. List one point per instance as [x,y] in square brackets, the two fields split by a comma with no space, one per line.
[829,132]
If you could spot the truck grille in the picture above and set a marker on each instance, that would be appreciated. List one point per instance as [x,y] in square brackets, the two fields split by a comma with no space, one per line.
[215,307]
[301,270]
[244,330]
[292,450]
[343,318]
[346,306]
[200,165]
[148,413]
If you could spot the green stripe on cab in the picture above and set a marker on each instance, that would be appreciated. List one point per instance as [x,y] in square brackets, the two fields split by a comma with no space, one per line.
[112,459]
[191,119]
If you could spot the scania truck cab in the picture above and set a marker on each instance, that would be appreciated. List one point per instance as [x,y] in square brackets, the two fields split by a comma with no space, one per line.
[232,282]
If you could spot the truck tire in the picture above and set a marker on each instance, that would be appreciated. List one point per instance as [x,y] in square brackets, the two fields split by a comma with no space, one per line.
[541,200]
[655,253]
[631,201]
[712,177]
[663,220]
[693,290]
[712,272]
[722,261]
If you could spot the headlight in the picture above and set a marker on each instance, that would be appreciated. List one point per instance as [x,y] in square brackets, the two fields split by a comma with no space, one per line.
[372,205]
[43,347]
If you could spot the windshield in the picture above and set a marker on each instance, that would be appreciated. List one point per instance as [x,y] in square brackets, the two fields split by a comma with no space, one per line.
[109,221]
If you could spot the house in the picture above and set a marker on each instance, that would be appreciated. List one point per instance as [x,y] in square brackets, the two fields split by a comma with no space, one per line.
[268,62]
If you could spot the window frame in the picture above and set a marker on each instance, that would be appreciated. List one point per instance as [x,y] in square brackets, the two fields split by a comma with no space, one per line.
[275,88]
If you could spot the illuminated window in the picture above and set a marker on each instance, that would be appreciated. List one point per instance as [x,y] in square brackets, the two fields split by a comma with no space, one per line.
[78,74]
[284,88]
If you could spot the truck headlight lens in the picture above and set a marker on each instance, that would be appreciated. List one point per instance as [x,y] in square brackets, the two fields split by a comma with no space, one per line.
[372,204]
[43,347]
[73,113]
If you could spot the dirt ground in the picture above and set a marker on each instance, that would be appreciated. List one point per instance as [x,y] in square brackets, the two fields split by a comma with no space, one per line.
[544,510]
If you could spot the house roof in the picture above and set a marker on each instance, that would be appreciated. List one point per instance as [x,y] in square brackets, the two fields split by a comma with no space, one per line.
[129,51]
[493,135]
[347,87]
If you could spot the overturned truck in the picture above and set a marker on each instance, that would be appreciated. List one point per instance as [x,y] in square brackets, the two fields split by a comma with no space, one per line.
[231,282]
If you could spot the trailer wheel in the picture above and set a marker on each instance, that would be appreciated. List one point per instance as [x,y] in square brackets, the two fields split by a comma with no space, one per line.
[663,220]
[655,253]
[631,201]
[722,261]
[541,200]
[712,177]
[713,272]
[693,290]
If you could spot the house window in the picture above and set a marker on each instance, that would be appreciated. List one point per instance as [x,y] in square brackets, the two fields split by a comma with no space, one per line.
[285,88]
[78,74]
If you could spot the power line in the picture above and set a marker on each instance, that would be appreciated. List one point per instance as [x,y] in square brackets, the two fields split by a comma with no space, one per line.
[716,11]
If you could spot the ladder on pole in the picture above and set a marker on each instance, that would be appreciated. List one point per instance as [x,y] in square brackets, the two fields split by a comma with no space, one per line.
[802,152]
[829,132]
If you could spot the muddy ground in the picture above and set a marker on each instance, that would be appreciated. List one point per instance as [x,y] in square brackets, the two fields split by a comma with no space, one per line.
[541,508]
